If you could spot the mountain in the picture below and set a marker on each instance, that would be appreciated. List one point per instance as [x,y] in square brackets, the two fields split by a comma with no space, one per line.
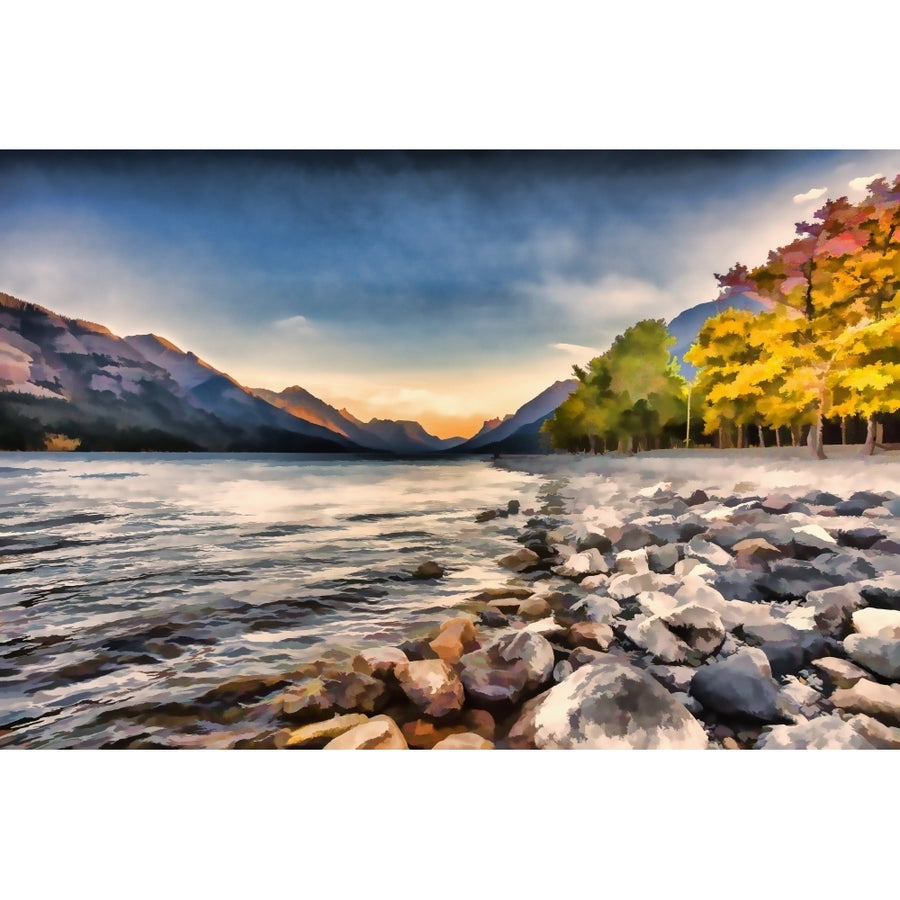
[401,437]
[520,430]
[69,377]
[687,324]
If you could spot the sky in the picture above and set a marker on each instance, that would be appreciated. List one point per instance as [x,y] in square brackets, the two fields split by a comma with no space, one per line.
[445,287]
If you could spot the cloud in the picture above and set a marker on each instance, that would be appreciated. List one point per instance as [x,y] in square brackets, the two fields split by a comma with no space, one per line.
[861,183]
[812,194]
[294,323]
[576,349]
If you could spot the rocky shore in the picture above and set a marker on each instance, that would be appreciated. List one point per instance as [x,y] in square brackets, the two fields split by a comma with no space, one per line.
[702,620]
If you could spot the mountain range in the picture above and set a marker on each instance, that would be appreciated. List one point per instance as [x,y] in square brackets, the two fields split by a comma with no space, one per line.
[67,382]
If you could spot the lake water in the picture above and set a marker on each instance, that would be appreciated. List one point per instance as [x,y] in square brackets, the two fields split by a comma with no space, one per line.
[148,578]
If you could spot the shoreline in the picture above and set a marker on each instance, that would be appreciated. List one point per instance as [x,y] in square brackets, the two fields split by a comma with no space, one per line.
[654,617]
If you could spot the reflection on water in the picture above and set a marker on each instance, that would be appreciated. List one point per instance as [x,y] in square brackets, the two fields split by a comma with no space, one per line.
[146,579]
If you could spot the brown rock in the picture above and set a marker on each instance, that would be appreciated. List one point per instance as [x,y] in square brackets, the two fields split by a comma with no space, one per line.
[757,547]
[467,740]
[317,698]
[870,699]
[423,734]
[841,672]
[432,686]
[488,682]
[503,593]
[522,560]
[456,637]
[379,733]
[319,733]
[880,736]
[534,608]
[593,635]
[379,662]
[429,570]
[731,744]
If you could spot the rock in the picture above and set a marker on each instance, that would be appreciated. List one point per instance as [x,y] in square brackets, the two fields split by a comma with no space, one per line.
[662,559]
[833,607]
[842,568]
[633,562]
[879,735]
[562,670]
[786,648]
[318,698]
[883,593]
[694,567]
[319,733]
[877,654]
[486,682]
[432,686]
[631,537]
[429,570]
[591,634]
[621,587]
[755,550]
[513,507]
[820,498]
[608,706]
[858,503]
[492,618]
[792,580]
[695,591]
[591,608]
[729,743]
[488,595]
[795,695]
[653,635]
[673,678]
[697,497]
[588,562]
[532,650]
[872,622]
[594,582]
[417,649]
[523,560]
[422,734]
[467,740]
[697,626]
[708,553]
[822,733]
[740,584]
[811,541]
[486,515]
[379,662]
[739,686]
[455,637]
[688,702]
[840,672]
[534,608]
[860,538]
[594,541]
[656,603]
[778,503]
[677,532]
[585,656]
[879,700]
[379,733]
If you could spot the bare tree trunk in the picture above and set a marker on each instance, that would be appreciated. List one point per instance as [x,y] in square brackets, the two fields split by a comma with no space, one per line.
[592,442]
[795,435]
[778,436]
[814,439]
[762,439]
[843,430]
[869,446]
[740,436]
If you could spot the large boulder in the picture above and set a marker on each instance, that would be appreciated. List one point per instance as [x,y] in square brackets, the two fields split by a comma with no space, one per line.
[455,637]
[622,587]
[379,661]
[786,648]
[379,733]
[833,607]
[663,559]
[651,634]
[877,654]
[879,700]
[608,706]
[432,686]
[872,622]
[707,552]
[319,733]
[523,560]
[823,733]
[879,735]
[698,626]
[533,651]
[860,538]
[489,683]
[839,672]
[740,686]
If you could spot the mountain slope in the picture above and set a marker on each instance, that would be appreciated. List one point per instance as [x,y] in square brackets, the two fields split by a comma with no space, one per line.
[67,376]
[532,413]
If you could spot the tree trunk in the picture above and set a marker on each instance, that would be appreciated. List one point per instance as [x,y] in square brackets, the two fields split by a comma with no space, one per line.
[778,436]
[795,435]
[740,436]
[762,439]
[843,429]
[814,439]
[869,446]
[592,442]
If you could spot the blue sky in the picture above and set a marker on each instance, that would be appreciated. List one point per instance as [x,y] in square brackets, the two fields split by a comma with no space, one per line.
[446,287]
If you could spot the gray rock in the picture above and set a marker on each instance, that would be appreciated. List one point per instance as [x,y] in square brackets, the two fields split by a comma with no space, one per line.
[793,580]
[883,592]
[697,626]
[845,567]
[633,562]
[833,607]
[592,540]
[429,570]
[858,503]
[621,587]
[651,634]
[487,683]
[879,735]
[631,537]
[738,686]
[740,584]
[822,733]
[786,648]
[662,559]
[533,651]
[562,670]
[708,553]
[860,538]
[609,706]
[431,685]
[877,654]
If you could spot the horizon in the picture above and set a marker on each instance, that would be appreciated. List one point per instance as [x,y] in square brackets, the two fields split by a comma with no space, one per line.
[446,288]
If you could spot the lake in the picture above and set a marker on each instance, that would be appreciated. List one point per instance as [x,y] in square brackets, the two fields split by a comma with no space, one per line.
[139,579]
